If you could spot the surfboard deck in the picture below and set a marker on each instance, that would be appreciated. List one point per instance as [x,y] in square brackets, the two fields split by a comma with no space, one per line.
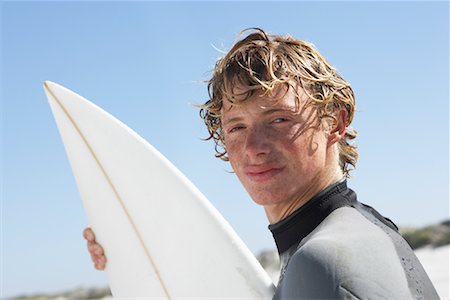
[162,237]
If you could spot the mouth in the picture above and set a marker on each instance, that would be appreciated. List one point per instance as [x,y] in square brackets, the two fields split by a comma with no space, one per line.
[262,174]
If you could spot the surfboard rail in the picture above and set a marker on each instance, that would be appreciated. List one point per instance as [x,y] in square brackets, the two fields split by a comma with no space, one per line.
[162,237]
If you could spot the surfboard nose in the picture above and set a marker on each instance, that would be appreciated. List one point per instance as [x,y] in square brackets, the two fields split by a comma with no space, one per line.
[57,94]
[48,84]
[51,86]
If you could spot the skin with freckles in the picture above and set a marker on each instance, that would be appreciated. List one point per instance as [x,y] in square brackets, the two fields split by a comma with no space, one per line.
[284,143]
[280,150]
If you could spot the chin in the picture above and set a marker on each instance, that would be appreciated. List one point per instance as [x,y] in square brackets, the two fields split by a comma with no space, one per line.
[265,200]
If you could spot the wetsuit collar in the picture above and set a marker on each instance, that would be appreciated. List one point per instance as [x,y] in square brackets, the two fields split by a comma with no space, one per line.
[292,229]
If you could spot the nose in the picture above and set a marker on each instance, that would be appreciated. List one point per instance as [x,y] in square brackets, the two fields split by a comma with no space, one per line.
[257,144]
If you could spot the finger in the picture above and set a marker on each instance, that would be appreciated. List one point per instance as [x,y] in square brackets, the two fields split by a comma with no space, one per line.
[98,250]
[94,258]
[88,234]
[91,247]
[98,267]
[100,263]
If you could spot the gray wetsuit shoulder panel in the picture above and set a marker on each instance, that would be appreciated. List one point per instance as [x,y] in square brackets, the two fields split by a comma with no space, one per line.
[338,260]
[352,253]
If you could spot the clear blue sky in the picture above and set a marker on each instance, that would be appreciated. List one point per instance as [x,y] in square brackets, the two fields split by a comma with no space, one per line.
[144,63]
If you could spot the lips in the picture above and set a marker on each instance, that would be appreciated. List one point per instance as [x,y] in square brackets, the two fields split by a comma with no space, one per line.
[262,173]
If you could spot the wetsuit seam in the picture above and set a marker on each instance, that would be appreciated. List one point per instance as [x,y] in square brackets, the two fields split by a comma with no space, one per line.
[348,291]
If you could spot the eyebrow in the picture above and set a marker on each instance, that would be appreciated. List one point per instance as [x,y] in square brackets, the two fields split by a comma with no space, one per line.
[264,113]
[276,110]
[235,119]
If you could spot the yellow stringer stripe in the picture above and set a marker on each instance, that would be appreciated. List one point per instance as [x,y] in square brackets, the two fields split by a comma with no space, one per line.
[155,269]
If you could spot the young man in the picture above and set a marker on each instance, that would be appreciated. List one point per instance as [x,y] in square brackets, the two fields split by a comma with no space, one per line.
[280,113]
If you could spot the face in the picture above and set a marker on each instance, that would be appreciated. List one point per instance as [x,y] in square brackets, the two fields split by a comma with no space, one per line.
[275,145]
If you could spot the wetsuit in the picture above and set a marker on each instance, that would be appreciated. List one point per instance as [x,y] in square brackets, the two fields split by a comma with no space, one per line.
[335,247]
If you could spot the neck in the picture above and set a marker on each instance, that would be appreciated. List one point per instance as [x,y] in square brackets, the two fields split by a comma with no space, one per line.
[279,211]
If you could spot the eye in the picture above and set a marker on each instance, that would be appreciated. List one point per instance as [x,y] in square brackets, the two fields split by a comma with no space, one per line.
[280,120]
[235,128]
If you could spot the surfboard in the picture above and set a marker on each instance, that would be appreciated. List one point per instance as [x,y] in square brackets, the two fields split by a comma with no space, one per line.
[163,239]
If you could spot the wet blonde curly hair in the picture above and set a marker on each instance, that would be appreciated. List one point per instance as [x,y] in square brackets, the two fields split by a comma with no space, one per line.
[261,62]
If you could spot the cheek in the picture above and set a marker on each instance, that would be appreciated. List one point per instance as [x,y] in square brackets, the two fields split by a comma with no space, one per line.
[299,142]
[307,150]
[231,149]
[233,154]
[234,144]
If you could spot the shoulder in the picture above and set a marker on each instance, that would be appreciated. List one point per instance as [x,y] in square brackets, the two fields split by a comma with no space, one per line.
[346,256]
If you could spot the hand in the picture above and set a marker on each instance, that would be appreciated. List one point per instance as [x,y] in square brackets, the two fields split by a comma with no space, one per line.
[97,254]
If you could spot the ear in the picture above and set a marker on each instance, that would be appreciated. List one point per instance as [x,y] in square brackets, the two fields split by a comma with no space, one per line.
[338,131]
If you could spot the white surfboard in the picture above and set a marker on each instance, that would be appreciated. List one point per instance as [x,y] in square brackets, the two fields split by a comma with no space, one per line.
[162,237]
